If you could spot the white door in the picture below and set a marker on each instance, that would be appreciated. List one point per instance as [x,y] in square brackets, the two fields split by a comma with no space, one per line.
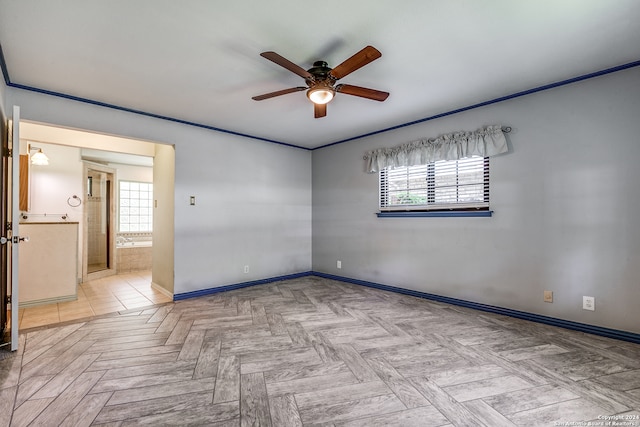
[13,234]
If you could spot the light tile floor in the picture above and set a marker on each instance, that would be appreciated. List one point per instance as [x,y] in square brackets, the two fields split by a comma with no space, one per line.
[106,295]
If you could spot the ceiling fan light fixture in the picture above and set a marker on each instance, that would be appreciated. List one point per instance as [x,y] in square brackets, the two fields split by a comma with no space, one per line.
[321,94]
[321,79]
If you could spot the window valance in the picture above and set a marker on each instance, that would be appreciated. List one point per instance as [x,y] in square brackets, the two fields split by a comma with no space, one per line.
[485,142]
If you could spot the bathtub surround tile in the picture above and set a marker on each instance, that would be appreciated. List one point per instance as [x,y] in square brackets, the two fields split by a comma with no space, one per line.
[306,351]
[130,259]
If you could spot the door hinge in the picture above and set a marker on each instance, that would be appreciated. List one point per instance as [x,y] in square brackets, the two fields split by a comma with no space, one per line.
[8,299]
[8,152]
[8,226]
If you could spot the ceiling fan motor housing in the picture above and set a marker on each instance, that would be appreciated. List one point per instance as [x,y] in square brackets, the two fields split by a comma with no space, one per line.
[320,72]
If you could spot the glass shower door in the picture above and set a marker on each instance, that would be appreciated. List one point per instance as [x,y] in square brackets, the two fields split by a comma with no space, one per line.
[98,221]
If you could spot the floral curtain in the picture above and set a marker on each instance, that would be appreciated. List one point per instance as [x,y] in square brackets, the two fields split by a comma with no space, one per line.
[485,142]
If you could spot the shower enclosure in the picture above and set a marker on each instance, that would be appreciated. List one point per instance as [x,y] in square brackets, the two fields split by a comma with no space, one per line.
[99,224]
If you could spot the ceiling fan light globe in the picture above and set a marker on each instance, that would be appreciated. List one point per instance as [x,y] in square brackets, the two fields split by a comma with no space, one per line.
[321,95]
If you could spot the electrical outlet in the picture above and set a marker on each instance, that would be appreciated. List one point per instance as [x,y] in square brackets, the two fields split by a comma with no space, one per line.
[339,264]
[246,268]
[548,296]
[588,303]
[192,200]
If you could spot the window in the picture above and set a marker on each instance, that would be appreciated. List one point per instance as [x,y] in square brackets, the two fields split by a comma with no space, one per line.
[442,185]
[135,206]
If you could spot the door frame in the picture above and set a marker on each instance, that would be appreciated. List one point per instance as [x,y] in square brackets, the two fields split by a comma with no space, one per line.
[12,203]
[4,220]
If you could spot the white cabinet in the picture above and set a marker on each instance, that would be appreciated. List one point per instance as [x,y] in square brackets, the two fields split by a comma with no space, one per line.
[48,263]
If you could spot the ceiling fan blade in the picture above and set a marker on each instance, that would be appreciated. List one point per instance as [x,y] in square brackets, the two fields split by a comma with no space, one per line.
[319,110]
[363,92]
[359,60]
[284,62]
[277,93]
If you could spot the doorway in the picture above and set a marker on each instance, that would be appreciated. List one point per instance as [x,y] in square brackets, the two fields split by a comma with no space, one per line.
[106,154]
[99,224]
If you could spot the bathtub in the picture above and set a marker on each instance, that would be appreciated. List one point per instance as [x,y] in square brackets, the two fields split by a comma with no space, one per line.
[133,256]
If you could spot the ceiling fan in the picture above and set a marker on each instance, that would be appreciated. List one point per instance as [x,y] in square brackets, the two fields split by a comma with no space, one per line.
[321,79]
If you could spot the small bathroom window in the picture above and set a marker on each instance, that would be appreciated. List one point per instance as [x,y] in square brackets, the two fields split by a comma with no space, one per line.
[135,210]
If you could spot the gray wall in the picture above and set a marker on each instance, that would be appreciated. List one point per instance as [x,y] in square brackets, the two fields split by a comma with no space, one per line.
[566,205]
[253,198]
[565,201]
[3,89]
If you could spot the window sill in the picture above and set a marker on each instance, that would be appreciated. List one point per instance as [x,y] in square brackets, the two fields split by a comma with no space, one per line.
[434,214]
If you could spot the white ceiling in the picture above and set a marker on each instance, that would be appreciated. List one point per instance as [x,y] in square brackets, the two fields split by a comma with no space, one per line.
[198,60]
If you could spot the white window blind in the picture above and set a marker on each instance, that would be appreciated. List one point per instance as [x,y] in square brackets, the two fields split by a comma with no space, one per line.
[135,212]
[443,185]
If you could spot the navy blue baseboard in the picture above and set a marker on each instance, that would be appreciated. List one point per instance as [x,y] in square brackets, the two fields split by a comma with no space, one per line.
[567,324]
[209,291]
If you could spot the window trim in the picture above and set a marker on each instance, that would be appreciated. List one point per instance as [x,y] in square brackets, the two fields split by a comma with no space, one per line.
[435,214]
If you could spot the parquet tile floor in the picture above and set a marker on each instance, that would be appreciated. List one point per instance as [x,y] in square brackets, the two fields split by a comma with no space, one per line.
[316,352]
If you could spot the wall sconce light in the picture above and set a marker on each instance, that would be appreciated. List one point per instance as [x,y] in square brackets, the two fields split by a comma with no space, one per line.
[39,158]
